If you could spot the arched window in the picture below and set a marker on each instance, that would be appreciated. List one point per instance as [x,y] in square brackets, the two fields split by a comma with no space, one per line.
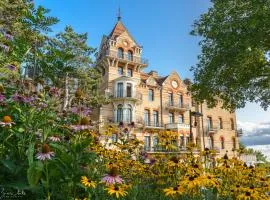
[129,114]
[120,53]
[222,142]
[129,90]
[130,55]
[119,117]
[120,90]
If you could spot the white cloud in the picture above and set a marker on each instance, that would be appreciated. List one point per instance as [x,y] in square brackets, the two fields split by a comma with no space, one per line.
[252,129]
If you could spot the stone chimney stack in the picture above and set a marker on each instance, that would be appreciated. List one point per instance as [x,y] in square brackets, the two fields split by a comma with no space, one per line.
[153,73]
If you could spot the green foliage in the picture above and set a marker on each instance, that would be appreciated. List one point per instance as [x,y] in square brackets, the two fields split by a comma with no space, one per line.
[234,60]
[34,172]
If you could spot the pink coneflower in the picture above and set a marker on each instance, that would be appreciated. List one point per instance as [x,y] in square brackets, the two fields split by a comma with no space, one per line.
[54,91]
[2,97]
[22,99]
[110,180]
[8,36]
[112,177]
[55,139]
[81,110]
[4,47]
[11,67]
[6,121]
[45,154]
[81,127]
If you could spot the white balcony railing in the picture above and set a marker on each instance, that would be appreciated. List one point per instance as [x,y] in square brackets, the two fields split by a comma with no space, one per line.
[177,126]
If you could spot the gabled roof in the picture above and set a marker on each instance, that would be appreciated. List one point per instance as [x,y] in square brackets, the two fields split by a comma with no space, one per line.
[118,29]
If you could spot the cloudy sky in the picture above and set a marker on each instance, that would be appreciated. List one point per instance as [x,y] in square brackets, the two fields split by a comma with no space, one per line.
[162,29]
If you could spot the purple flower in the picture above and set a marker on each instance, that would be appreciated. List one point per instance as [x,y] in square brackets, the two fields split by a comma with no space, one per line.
[11,67]
[55,139]
[54,91]
[22,99]
[81,127]
[2,97]
[81,110]
[121,125]
[46,153]
[8,36]
[110,180]
[4,47]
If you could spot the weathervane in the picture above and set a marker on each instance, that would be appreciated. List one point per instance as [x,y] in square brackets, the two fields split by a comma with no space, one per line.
[119,14]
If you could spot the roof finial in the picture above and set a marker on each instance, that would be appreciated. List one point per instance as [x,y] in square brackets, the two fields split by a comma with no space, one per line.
[119,14]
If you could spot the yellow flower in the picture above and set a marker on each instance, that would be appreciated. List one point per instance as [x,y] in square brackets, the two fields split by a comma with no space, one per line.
[172,191]
[88,183]
[118,191]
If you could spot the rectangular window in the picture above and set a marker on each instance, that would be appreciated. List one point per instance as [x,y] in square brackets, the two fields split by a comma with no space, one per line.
[147,117]
[232,124]
[209,123]
[220,123]
[170,98]
[129,72]
[120,91]
[181,119]
[129,90]
[147,143]
[155,118]
[150,95]
[171,118]
[120,71]
[155,143]
[180,99]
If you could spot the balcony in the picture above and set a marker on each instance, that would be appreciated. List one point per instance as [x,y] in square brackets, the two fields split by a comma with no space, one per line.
[125,58]
[177,126]
[211,130]
[136,96]
[177,106]
[160,150]
[153,124]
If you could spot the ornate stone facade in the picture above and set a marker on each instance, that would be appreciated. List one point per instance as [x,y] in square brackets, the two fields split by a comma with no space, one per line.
[154,102]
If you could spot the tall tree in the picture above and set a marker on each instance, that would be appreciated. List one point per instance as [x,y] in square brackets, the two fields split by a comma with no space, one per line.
[22,30]
[234,64]
[67,59]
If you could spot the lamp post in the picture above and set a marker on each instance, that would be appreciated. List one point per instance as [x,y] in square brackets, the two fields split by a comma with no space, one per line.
[195,114]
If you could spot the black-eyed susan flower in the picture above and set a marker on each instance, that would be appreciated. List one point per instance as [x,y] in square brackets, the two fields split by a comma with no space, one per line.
[118,191]
[87,182]
[171,191]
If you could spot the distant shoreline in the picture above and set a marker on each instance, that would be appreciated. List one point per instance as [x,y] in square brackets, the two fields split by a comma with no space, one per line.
[265,149]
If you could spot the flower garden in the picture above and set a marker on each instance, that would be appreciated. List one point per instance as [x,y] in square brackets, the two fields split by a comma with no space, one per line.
[51,150]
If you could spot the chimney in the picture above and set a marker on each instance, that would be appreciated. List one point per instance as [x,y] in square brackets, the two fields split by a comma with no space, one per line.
[153,73]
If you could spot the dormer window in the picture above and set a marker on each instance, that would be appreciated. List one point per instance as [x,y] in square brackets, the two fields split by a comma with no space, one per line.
[120,53]
[130,55]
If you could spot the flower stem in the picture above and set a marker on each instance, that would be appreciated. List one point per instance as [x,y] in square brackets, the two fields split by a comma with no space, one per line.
[47,181]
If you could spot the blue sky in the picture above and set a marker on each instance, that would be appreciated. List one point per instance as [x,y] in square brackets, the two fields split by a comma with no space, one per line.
[161,27]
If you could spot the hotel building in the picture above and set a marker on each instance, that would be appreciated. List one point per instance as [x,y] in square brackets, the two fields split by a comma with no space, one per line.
[155,102]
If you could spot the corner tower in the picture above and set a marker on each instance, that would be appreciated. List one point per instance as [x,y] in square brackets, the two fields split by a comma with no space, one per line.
[119,59]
